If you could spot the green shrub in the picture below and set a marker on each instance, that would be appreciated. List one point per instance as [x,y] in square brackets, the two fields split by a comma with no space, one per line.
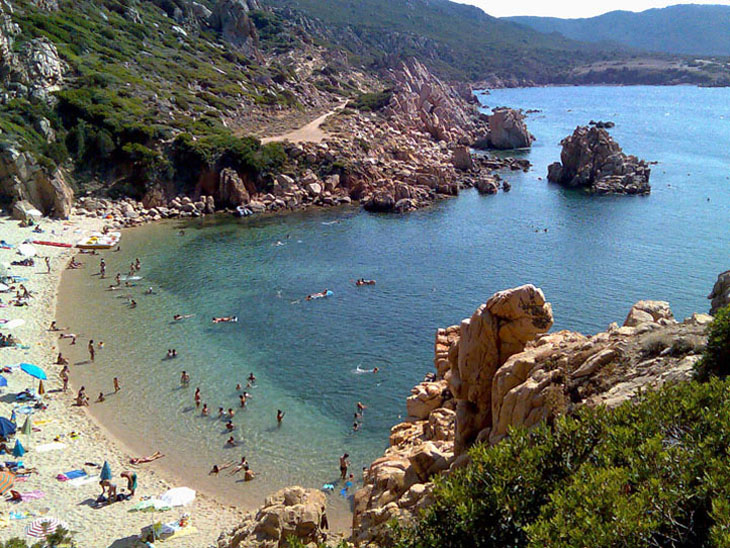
[716,358]
[653,473]
[371,101]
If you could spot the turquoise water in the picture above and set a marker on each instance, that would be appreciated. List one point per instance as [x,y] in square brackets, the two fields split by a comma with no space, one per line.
[433,268]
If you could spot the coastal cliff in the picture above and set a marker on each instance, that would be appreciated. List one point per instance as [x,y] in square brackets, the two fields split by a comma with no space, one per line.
[500,370]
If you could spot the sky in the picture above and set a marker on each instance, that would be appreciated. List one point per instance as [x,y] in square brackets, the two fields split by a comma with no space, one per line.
[573,8]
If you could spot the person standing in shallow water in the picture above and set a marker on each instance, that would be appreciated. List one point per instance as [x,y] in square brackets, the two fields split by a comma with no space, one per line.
[279,416]
[91,350]
[344,463]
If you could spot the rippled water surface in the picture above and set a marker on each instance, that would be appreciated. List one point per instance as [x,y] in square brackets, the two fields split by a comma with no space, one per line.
[433,268]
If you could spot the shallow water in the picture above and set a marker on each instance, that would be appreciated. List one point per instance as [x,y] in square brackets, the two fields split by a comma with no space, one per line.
[433,268]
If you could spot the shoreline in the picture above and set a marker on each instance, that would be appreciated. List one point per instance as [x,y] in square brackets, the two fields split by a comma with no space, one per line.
[108,525]
[126,441]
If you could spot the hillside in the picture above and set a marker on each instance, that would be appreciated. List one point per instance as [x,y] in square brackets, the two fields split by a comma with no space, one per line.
[456,40]
[682,29]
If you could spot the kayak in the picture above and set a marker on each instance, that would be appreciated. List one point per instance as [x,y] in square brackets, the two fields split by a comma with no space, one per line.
[55,244]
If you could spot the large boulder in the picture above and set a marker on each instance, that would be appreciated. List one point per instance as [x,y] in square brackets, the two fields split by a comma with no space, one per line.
[507,130]
[231,19]
[21,178]
[461,159]
[496,331]
[231,189]
[290,512]
[649,312]
[426,397]
[720,294]
[591,159]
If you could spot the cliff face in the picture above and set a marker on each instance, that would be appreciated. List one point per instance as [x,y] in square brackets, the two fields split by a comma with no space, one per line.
[498,370]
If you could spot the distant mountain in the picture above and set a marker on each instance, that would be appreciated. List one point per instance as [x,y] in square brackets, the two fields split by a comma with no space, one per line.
[682,29]
[456,40]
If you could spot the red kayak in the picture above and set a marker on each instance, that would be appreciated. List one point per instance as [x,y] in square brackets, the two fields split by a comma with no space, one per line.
[55,244]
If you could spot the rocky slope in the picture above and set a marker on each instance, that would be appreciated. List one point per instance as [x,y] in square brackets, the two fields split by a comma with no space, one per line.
[592,160]
[497,370]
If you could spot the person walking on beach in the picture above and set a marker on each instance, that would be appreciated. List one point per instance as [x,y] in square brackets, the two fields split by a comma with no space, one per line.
[116,385]
[48,264]
[92,351]
[344,463]
[102,268]
[64,377]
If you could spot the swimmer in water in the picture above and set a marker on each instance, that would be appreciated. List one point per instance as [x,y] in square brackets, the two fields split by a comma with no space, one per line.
[178,317]
[184,378]
[279,416]
[205,411]
[216,469]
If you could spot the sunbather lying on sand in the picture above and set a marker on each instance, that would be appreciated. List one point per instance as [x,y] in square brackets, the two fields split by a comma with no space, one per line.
[154,456]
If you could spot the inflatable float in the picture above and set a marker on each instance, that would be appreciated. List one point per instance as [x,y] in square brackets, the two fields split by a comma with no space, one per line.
[99,241]
[242,211]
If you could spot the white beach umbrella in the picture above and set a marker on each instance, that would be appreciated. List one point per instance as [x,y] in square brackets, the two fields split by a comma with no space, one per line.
[4,287]
[12,324]
[27,250]
[179,496]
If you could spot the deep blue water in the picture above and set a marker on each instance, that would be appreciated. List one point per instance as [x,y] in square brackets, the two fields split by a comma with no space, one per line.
[433,268]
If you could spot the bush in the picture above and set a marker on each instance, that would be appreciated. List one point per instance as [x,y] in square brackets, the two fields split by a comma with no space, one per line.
[716,358]
[371,101]
[650,473]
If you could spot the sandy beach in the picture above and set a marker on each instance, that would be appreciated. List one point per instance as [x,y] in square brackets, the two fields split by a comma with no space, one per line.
[110,525]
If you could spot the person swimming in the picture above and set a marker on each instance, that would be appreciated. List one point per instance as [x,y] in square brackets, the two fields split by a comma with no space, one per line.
[178,317]
[319,295]
[225,319]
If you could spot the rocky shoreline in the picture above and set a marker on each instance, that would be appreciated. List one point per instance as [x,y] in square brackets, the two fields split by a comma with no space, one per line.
[501,369]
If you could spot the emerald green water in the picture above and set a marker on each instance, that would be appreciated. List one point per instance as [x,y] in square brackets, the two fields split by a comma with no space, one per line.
[433,268]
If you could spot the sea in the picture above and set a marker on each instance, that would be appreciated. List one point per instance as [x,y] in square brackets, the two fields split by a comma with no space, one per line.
[593,256]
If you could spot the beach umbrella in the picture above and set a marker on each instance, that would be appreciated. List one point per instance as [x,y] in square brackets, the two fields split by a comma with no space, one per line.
[12,324]
[27,426]
[4,287]
[33,370]
[27,250]
[3,381]
[106,472]
[42,527]
[7,428]
[7,480]
[41,388]
[179,496]
[18,449]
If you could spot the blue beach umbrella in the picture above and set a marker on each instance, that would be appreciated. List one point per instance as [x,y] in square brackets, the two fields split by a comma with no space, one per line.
[33,370]
[18,450]
[7,428]
[106,471]
[3,381]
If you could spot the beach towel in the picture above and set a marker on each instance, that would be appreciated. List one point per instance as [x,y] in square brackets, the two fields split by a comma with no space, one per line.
[32,495]
[19,515]
[50,447]
[73,474]
[84,480]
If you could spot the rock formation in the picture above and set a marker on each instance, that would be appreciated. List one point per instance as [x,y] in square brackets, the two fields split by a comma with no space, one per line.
[292,511]
[498,370]
[231,19]
[720,294]
[591,159]
[21,178]
[507,130]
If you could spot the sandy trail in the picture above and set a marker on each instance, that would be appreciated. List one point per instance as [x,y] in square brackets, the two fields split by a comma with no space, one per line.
[310,133]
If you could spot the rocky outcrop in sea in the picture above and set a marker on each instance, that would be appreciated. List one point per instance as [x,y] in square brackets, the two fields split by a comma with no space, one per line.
[500,369]
[592,160]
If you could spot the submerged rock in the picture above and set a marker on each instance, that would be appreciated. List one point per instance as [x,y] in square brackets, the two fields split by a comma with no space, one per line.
[593,160]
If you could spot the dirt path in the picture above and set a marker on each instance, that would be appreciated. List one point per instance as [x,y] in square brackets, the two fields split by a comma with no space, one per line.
[310,133]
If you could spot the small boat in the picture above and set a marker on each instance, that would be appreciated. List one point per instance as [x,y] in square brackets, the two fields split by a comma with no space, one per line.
[242,211]
[55,244]
[98,240]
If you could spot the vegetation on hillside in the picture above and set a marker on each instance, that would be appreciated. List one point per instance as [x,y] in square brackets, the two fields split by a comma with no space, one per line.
[137,88]
[651,473]
[456,40]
